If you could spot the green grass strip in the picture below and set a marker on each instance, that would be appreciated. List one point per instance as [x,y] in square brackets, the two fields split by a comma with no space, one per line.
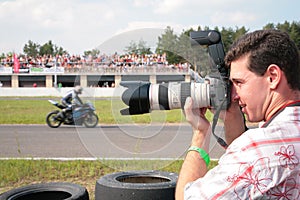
[34,111]
[16,173]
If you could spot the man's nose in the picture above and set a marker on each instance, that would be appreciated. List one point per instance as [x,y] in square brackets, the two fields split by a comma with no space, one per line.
[234,94]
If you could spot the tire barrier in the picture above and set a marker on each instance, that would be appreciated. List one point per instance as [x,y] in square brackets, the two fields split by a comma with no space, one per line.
[47,191]
[139,185]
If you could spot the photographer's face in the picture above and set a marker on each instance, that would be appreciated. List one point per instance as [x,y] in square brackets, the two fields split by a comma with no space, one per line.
[249,89]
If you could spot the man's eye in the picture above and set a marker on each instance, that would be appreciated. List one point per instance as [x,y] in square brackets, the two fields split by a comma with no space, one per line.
[236,82]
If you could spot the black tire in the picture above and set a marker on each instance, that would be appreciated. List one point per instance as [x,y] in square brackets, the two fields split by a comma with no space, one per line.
[52,121]
[91,120]
[139,185]
[47,191]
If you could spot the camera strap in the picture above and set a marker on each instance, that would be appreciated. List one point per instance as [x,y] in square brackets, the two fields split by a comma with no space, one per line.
[214,124]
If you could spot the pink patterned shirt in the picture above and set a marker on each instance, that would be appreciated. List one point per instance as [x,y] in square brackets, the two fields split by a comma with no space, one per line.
[263,163]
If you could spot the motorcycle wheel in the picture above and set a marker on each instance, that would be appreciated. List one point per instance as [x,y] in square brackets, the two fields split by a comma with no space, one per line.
[91,120]
[52,121]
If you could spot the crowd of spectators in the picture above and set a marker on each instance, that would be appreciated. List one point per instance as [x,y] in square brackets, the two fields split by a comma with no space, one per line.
[101,63]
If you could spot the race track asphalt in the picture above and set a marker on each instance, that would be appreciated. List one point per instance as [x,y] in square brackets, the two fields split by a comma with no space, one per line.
[134,141]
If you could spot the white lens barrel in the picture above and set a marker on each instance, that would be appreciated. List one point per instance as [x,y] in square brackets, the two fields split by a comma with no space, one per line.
[154,96]
[173,95]
[200,95]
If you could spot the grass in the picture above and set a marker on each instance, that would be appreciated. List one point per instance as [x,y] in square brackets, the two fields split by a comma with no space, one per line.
[34,111]
[17,173]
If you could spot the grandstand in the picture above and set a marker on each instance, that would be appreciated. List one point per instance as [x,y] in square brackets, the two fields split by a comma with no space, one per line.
[104,77]
[98,72]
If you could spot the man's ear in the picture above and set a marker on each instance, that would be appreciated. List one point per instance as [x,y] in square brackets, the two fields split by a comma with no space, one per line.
[274,75]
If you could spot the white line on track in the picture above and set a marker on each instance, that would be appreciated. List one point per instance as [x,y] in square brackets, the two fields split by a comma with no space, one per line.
[88,159]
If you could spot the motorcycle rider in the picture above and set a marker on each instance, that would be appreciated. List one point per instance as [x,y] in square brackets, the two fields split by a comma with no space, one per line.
[71,100]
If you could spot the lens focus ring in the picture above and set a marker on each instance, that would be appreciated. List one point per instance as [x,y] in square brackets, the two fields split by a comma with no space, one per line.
[185,92]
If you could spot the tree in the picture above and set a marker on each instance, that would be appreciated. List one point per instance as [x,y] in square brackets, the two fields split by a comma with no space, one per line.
[269,26]
[284,27]
[31,49]
[34,49]
[140,49]
[239,32]
[132,48]
[295,33]
[229,35]
[197,54]
[59,51]
[183,47]
[293,29]
[143,48]
[94,53]
[167,44]
[47,48]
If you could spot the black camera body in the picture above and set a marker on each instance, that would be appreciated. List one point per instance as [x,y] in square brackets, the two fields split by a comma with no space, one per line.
[211,91]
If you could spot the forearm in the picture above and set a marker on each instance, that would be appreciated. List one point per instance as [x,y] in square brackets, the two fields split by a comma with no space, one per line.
[194,166]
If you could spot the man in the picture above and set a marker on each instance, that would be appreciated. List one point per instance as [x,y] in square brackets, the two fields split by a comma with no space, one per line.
[260,163]
[71,100]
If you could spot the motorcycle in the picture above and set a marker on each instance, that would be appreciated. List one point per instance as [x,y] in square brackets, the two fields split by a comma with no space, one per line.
[84,114]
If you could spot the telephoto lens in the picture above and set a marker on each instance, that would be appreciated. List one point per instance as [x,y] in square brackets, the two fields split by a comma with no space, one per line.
[142,97]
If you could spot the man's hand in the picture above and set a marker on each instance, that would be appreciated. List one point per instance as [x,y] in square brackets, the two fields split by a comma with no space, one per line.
[196,116]
[194,166]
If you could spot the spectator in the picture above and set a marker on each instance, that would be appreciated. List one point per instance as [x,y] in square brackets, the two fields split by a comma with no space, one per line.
[76,63]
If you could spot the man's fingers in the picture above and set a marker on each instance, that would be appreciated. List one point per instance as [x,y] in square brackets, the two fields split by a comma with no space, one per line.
[188,105]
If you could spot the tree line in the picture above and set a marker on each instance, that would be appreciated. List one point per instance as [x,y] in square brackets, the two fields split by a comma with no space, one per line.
[177,47]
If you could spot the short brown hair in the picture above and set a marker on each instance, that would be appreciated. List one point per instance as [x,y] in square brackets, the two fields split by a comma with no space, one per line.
[266,47]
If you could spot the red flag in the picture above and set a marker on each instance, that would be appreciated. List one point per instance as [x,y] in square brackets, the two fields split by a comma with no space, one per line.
[16,64]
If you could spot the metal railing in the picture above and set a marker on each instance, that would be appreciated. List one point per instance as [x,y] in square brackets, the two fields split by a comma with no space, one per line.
[114,69]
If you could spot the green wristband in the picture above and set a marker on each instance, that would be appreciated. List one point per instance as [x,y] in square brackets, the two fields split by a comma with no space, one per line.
[202,153]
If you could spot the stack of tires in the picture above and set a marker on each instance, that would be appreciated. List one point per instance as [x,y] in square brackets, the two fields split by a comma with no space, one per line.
[133,185]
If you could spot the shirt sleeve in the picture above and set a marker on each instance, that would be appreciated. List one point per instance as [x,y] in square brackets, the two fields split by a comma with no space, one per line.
[219,181]
[250,169]
[214,184]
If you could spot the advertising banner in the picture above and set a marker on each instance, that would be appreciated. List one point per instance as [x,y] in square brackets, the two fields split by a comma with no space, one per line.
[6,70]
[52,70]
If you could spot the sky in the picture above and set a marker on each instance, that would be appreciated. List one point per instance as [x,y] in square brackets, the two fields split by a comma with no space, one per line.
[110,25]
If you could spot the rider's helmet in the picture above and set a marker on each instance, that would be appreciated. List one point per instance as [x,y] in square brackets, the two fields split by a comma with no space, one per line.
[78,89]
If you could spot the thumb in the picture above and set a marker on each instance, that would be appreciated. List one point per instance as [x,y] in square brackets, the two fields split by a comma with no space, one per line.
[188,103]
